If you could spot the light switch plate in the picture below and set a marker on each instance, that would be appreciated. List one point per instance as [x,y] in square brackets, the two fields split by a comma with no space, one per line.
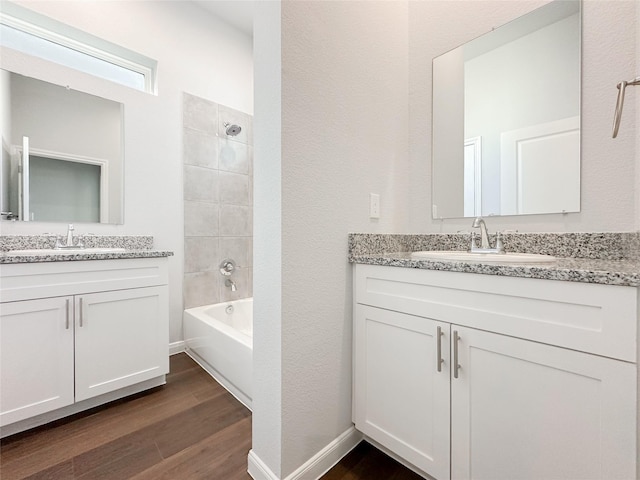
[374,205]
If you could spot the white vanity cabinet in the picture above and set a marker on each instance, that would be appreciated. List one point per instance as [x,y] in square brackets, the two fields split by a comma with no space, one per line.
[118,341]
[545,384]
[77,334]
[401,398]
[36,357]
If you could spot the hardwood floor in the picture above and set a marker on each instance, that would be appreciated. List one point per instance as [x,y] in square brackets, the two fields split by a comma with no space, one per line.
[191,428]
[366,462]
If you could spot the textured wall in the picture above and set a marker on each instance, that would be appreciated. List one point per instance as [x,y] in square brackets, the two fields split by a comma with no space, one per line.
[609,182]
[218,202]
[344,135]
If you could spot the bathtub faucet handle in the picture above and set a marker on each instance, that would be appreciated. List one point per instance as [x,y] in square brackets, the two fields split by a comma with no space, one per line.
[227,267]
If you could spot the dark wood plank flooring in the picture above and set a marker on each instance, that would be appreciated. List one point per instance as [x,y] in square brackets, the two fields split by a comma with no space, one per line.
[366,462]
[191,428]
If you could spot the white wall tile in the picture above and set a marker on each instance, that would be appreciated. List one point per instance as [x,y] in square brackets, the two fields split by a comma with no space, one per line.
[201,254]
[234,188]
[217,208]
[236,248]
[235,220]
[200,148]
[201,219]
[202,288]
[200,184]
[234,156]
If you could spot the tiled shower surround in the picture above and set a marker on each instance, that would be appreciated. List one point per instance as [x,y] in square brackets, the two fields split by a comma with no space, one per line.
[218,201]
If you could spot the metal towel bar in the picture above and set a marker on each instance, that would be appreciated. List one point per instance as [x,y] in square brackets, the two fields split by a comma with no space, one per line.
[620,103]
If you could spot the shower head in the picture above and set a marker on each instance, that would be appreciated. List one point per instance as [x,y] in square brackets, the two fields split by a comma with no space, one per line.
[232,130]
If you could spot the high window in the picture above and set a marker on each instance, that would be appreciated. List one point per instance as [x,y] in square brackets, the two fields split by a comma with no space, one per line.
[29,32]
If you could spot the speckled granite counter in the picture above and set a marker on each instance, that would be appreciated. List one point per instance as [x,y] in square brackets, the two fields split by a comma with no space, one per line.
[605,258]
[135,246]
[8,257]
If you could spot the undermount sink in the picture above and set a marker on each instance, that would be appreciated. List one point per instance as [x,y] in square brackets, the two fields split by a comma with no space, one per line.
[460,256]
[65,251]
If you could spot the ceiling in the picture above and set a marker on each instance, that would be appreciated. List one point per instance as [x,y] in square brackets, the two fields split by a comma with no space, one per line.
[237,13]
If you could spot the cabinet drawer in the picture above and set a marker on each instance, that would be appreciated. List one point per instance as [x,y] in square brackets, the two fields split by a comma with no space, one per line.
[599,319]
[53,279]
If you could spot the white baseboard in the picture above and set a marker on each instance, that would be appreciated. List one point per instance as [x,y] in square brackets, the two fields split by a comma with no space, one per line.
[316,466]
[176,347]
[257,468]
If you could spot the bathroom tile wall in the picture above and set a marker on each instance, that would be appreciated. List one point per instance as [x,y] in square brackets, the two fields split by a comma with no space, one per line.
[218,201]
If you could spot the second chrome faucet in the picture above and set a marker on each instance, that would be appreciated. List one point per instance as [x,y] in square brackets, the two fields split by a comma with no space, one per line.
[485,244]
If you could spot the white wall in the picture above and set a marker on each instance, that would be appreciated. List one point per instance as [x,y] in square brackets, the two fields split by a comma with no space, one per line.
[345,119]
[344,135]
[609,181]
[196,53]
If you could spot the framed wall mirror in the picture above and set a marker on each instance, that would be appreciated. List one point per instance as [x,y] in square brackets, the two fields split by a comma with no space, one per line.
[506,118]
[62,153]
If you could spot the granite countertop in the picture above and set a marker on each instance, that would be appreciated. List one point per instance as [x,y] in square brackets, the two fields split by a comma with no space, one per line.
[608,272]
[604,258]
[8,257]
[130,246]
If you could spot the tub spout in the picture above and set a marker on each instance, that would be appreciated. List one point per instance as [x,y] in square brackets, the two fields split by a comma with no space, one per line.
[232,284]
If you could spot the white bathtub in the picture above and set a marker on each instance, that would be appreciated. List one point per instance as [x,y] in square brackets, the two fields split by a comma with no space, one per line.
[220,338]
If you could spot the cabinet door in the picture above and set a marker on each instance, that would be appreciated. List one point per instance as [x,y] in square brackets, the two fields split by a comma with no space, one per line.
[526,410]
[121,339]
[401,398]
[36,357]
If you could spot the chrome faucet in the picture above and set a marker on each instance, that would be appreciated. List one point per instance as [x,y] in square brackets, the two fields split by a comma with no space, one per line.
[230,283]
[70,241]
[485,245]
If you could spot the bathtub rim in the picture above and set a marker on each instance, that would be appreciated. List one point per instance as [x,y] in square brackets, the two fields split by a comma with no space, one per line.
[199,314]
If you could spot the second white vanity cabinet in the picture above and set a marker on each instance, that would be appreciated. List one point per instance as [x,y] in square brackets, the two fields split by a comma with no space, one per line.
[475,376]
[73,333]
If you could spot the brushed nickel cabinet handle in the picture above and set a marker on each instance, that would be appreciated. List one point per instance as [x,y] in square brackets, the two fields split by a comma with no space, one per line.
[439,348]
[67,322]
[81,311]
[456,366]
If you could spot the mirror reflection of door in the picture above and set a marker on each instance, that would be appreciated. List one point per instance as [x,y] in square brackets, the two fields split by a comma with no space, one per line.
[64,189]
[58,186]
[540,168]
[473,177]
